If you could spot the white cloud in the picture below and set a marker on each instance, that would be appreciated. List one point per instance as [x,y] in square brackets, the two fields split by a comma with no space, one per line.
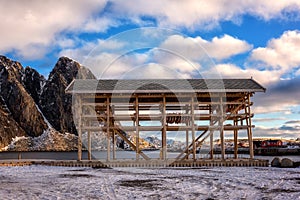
[30,26]
[195,48]
[281,53]
[264,77]
[100,24]
[201,13]
[225,47]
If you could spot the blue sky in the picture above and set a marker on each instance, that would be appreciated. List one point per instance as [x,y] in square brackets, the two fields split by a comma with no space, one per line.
[236,39]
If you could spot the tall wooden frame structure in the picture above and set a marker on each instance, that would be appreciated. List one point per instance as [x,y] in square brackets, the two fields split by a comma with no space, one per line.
[198,108]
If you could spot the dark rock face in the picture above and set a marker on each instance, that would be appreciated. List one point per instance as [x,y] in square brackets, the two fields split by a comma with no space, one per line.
[21,105]
[30,104]
[9,127]
[55,104]
[33,83]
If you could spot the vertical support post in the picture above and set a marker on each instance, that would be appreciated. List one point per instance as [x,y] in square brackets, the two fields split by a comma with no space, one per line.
[114,135]
[193,127]
[211,134]
[89,144]
[137,142]
[79,109]
[114,144]
[108,128]
[221,126]
[164,131]
[249,124]
[187,130]
[235,137]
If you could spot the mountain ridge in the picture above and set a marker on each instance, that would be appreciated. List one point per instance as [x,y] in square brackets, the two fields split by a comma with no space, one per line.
[32,104]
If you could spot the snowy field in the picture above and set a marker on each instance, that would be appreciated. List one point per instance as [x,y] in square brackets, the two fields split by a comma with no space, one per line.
[43,182]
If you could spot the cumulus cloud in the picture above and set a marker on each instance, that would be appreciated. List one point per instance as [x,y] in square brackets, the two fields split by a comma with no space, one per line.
[281,53]
[225,47]
[184,55]
[195,48]
[28,27]
[100,24]
[200,13]
[264,77]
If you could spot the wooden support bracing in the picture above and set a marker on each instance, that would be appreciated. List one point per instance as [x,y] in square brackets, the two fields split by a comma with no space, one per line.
[193,113]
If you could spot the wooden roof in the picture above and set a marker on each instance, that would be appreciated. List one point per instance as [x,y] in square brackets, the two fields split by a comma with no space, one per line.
[81,86]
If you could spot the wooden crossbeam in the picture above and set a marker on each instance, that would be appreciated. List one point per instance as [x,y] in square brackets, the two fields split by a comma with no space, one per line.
[119,133]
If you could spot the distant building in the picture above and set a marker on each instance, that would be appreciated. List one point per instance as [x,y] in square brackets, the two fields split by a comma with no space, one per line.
[271,143]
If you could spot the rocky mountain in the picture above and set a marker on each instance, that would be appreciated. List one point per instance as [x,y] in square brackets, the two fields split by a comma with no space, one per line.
[55,104]
[32,106]
[9,127]
[17,100]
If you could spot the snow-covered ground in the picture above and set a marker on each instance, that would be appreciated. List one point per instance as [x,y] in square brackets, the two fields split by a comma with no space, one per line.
[43,182]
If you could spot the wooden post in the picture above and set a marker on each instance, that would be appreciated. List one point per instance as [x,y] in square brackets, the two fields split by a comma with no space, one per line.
[164,130]
[187,130]
[235,140]
[193,127]
[137,142]
[108,128]
[221,126]
[89,145]
[114,144]
[114,135]
[249,124]
[79,109]
[211,135]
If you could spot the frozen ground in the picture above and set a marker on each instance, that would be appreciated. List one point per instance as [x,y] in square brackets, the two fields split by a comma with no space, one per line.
[42,182]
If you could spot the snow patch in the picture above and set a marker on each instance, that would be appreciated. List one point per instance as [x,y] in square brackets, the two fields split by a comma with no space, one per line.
[45,182]
[47,122]
[50,140]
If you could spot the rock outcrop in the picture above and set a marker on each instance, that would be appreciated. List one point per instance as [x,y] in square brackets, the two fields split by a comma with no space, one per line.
[50,140]
[55,104]
[31,105]
[33,83]
[18,101]
[9,127]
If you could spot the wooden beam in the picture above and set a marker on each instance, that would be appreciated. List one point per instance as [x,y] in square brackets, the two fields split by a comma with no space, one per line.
[108,128]
[137,128]
[164,130]
[250,130]
[89,145]
[235,139]
[79,110]
[221,125]
[193,127]
[119,133]
[211,142]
